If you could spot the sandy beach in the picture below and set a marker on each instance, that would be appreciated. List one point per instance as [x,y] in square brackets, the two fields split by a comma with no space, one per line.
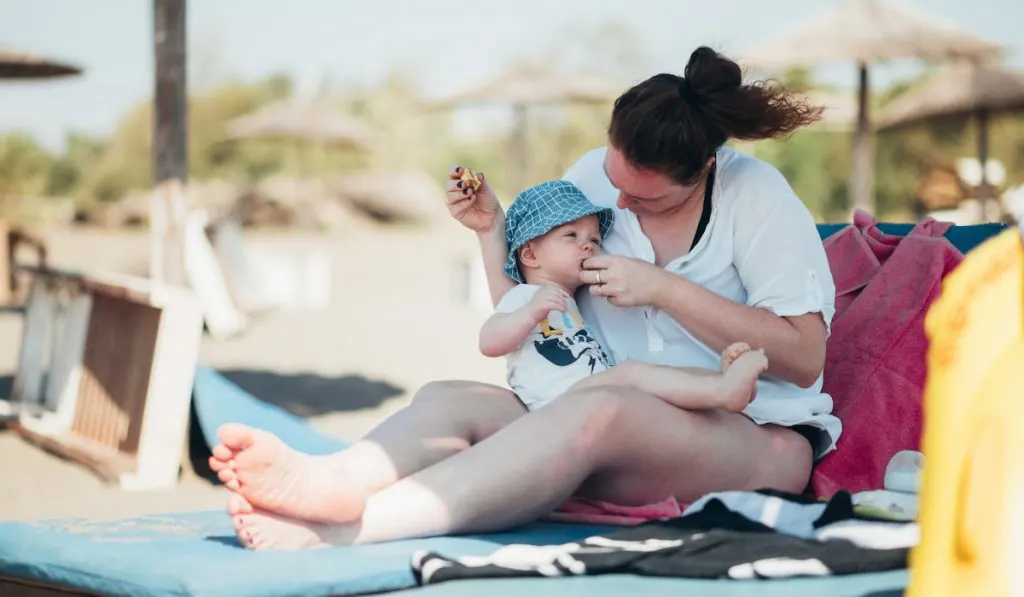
[395,320]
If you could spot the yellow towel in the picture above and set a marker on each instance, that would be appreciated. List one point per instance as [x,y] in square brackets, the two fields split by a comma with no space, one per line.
[972,489]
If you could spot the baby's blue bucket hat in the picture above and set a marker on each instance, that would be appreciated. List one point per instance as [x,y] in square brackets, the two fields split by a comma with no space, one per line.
[539,209]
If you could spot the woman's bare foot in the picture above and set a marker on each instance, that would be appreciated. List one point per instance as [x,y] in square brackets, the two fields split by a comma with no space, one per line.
[741,366]
[260,530]
[275,478]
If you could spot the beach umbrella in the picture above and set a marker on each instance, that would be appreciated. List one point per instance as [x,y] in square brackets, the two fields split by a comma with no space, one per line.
[866,32]
[22,65]
[400,196]
[964,90]
[306,123]
[525,86]
[313,121]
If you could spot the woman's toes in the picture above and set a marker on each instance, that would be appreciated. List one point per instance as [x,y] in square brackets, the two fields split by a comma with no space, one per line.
[236,437]
[229,479]
[222,452]
[238,505]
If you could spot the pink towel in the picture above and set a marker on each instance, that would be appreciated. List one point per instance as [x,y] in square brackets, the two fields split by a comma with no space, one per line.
[875,361]
[598,512]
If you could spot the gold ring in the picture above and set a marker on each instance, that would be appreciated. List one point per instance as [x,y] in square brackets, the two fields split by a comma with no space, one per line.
[598,274]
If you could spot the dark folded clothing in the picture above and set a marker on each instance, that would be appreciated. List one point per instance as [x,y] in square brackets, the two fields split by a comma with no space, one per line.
[714,542]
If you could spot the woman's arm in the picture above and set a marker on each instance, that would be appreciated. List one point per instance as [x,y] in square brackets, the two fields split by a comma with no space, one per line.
[494,251]
[479,210]
[795,346]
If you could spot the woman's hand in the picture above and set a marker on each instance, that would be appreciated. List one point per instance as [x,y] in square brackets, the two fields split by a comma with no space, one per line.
[624,281]
[476,209]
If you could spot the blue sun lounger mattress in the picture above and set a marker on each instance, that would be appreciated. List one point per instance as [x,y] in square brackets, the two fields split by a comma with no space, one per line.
[196,553]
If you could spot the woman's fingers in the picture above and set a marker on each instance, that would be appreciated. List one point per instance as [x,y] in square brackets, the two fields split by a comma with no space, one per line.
[596,276]
[605,290]
[456,192]
[455,180]
[598,262]
[456,187]
[457,199]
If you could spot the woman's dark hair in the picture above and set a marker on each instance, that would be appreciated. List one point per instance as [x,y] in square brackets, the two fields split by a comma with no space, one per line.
[673,124]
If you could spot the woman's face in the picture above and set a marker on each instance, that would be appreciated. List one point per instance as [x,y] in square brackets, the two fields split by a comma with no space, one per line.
[644,192]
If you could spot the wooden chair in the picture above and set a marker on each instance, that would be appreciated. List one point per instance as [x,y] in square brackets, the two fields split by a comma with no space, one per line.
[105,373]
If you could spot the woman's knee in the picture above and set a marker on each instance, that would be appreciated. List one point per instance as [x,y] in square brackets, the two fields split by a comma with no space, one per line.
[595,410]
[484,408]
[460,393]
[441,391]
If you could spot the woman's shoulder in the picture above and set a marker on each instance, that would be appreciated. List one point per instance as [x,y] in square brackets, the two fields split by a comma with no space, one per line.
[589,164]
[588,174]
[743,172]
[752,187]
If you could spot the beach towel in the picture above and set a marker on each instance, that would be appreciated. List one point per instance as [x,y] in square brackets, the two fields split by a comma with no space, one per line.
[578,509]
[875,360]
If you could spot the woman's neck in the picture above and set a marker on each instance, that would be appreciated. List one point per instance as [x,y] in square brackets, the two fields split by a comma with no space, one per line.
[671,232]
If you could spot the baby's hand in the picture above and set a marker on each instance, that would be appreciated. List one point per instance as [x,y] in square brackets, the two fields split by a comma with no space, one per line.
[547,299]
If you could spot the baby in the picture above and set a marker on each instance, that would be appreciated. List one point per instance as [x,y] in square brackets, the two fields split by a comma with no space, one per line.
[551,229]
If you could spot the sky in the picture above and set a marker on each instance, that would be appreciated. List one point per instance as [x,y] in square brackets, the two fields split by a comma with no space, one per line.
[448,44]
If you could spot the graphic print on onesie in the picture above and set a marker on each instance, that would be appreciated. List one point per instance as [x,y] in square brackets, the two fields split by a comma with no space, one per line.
[559,352]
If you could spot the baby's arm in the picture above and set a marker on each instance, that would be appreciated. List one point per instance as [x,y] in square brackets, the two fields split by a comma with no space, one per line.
[506,331]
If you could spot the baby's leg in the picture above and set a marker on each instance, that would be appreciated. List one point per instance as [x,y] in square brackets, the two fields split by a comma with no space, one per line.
[695,389]
[733,352]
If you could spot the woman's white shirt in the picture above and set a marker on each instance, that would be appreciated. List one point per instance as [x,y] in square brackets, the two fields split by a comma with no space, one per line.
[760,248]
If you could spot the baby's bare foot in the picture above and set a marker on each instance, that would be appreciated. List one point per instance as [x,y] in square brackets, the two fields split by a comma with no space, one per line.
[260,530]
[740,379]
[273,477]
[733,352]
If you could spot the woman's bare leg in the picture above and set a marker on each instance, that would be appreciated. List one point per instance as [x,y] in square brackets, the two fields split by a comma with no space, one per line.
[443,419]
[610,444]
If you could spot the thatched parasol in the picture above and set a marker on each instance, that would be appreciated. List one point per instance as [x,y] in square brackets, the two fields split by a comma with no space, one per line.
[312,121]
[964,90]
[306,123]
[530,85]
[395,196]
[21,65]
[866,32]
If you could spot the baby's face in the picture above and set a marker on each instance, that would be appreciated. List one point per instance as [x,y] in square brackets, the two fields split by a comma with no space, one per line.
[561,252]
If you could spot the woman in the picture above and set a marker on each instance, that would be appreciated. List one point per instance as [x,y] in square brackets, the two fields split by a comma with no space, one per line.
[709,247]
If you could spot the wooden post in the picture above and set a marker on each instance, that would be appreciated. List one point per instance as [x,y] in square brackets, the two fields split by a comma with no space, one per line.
[6,263]
[170,130]
[519,166]
[990,205]
[861,196]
